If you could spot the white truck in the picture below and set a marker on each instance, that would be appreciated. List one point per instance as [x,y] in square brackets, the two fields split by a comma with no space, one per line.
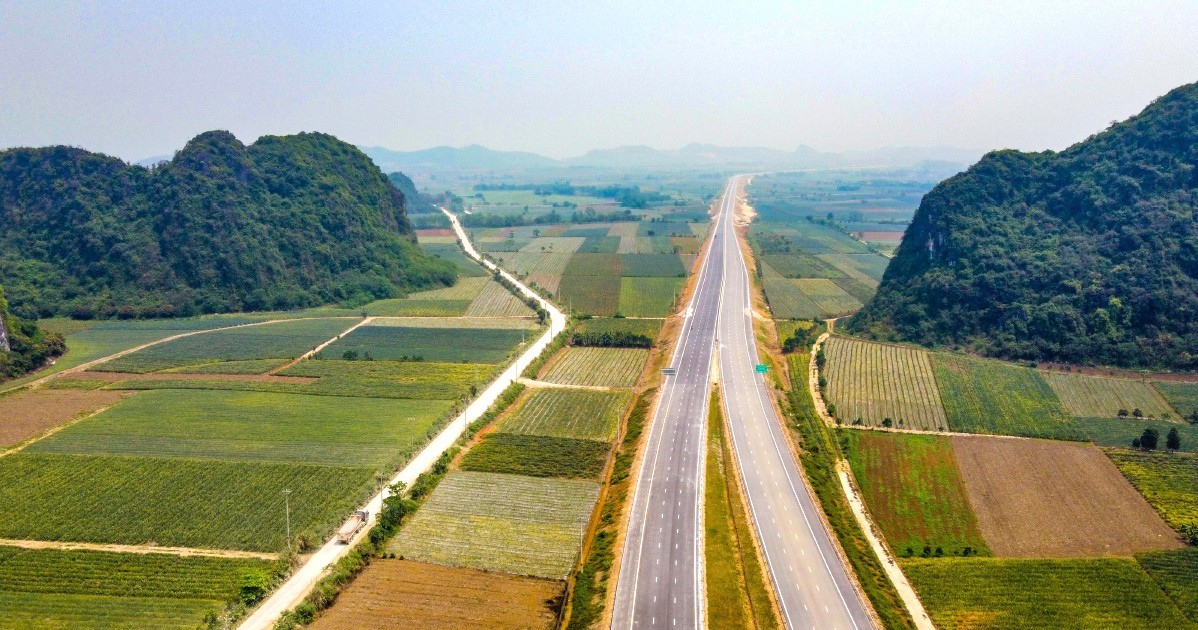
[353,526]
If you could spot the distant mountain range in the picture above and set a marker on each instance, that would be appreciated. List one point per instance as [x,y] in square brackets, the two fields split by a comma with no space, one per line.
[479,158]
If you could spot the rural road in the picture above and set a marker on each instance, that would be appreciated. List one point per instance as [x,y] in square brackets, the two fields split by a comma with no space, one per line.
[661,571]
[813,588]
[301,581]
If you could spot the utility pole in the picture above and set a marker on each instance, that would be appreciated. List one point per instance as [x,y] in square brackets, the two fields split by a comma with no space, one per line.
[287,501]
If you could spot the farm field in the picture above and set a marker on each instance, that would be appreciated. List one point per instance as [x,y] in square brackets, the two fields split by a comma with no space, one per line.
[652,265]
[396,594]
[538,456]
[874,382]
[648,297]
[496,301]
[1174,571]
[600,325]
[282,340]
[785,299]
[1119,432]
[465,289]
[999,593]
[255,426]
[465,344]
[402,307]
[1168,481]
[27,414]
[171,502]
[829,298]
[985,396]
[913,489]
[1052,499]
[566,413]
[90,589]
[1182,396]
[590,295]
[1099,397]
[604,367]
[494,522]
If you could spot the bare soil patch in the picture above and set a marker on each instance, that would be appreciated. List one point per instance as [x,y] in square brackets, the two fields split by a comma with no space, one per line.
[31,413]
[407,594]
[1048,499]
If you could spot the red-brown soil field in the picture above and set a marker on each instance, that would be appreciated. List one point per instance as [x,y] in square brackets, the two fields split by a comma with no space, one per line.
[1051,499]
[407,594]
[27,414]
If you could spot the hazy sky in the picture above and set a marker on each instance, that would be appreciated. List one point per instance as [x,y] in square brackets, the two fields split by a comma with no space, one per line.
[137,79]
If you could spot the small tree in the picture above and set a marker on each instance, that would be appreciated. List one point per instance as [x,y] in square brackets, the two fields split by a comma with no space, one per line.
[886,422]
[1149,439]
[1122,413]
[1137,413]
[1135,443]
[1173,440]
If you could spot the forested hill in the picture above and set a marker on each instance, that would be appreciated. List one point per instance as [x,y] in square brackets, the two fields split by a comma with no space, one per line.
[23,346]
[1089,255]
[289,221]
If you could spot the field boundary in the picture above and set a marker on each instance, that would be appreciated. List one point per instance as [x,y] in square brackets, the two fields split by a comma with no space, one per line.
[138,549]
[910,598]
[314,351]
[52,430]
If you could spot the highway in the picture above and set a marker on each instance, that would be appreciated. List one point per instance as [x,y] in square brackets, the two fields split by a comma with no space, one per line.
[813,587]
[660,584]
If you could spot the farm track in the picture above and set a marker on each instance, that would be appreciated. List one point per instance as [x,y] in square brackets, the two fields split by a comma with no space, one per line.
[529,382]
[314,351]
[172,551]
[301,581]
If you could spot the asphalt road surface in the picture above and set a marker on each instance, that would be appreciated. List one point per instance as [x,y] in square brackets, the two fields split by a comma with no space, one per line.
[661,572]
[812,586]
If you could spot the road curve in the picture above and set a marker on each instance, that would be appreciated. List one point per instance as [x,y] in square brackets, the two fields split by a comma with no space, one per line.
[813,587]
[303,579]
[660,584]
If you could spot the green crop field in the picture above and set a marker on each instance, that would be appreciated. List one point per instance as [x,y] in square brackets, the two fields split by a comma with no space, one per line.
[1000,593]
[537,456]
[649,297]
[420,380]
[509,523]
[983,396]
[1119,432]
[1183,396]
[831,299]
[281,340]
[600,244]
[249,366]
[496,301]
[650,328]
[1100,397]
[473,345]
[914,492]
[464,289]
[866,267]
[604,367]
[787,301]
[798,265]
[401,307]
[336,385]
[566,413]
[173,502]
[594,265]
[554,244]
[873,382]
[527,262]
[664,265]
[1168,481]
[452,252]
[255,426]
[103,573]
[1175,572]
[862,290]
[591,295]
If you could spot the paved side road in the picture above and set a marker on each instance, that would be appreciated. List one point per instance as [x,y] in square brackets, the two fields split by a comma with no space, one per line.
[293,591]
[660,584]
[813,588]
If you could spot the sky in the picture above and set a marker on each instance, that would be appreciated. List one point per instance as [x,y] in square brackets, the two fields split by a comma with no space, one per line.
[138,79]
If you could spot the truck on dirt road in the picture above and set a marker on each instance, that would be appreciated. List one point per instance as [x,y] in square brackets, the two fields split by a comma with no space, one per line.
[354,525]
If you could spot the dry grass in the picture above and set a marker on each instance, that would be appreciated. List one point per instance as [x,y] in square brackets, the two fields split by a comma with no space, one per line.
[407,594]
[1050,499]
[28,414]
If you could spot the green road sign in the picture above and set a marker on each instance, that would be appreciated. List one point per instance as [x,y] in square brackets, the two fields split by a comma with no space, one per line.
[762,368]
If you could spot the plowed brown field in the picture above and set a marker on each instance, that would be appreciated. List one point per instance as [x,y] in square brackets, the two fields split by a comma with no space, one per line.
[407,594]
[1049,499]
[31,413]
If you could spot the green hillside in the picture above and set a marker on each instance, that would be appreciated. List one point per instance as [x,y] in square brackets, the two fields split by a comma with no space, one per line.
[23,346]
[289,221]
[1088,256]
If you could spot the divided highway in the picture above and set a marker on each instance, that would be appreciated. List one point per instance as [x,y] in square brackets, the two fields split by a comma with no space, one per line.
[661,572]
[813,587]
[661,579]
